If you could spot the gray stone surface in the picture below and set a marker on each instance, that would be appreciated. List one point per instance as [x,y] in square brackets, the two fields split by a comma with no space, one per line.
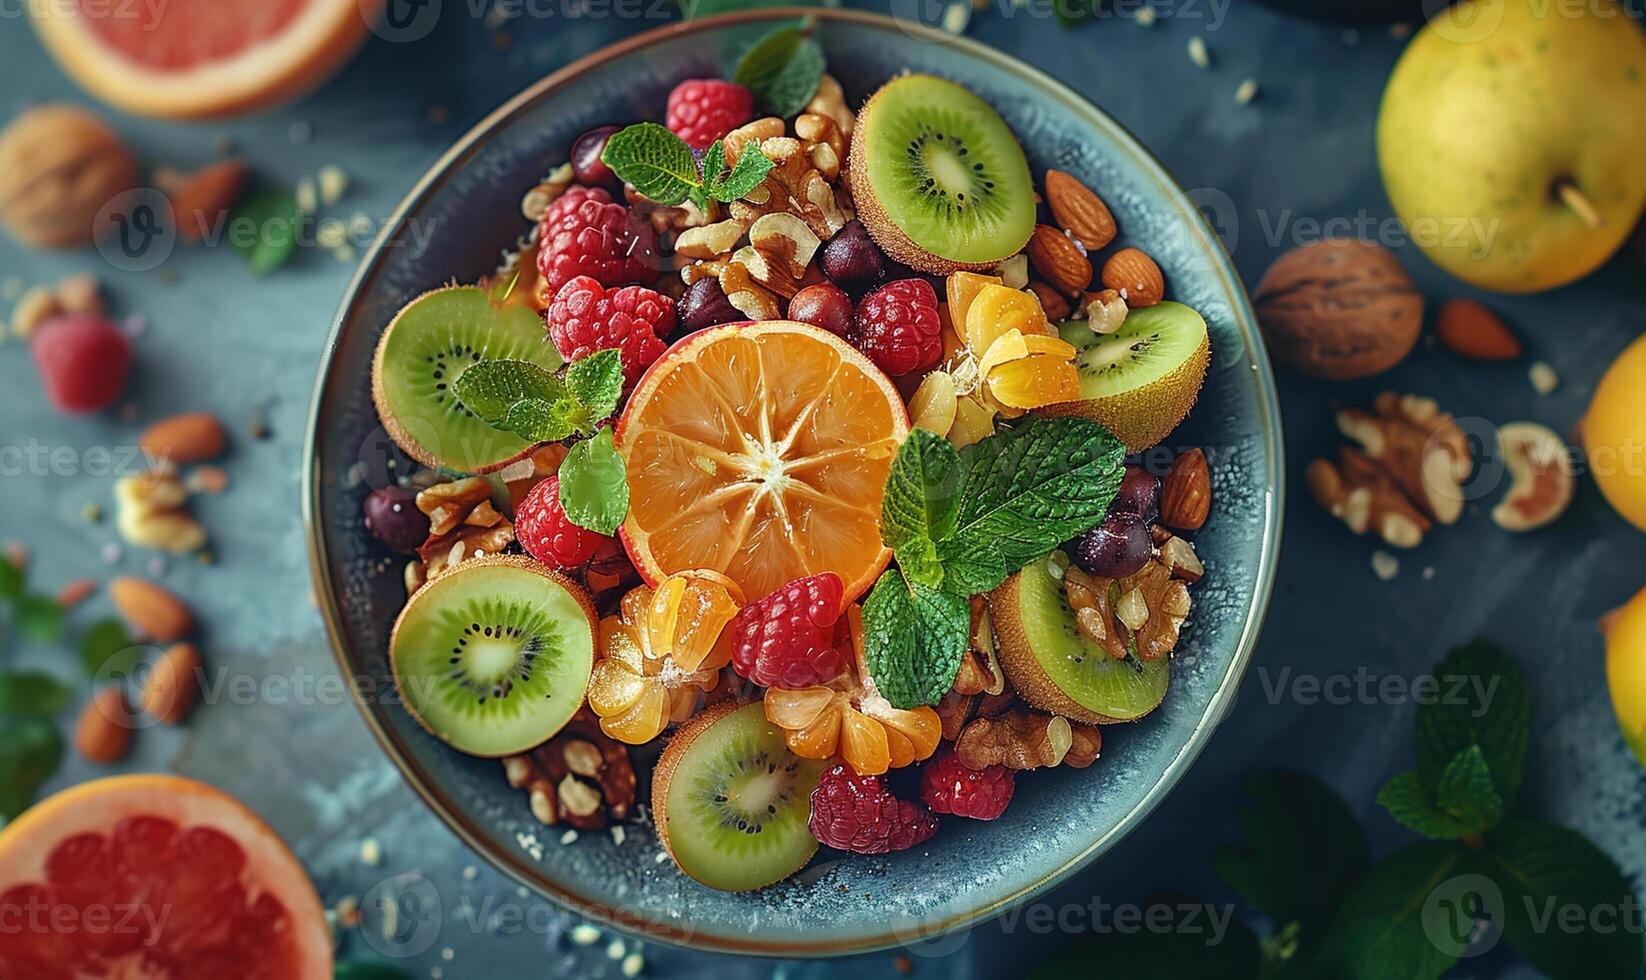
[220,340]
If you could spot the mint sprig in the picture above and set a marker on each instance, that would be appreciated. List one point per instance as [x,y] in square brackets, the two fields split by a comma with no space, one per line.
[959,522]
[534,403]
[782,69]
[660,165]
[594,484]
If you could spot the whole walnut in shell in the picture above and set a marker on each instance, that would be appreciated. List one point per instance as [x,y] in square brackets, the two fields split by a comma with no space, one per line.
[1339,309]
[59,165]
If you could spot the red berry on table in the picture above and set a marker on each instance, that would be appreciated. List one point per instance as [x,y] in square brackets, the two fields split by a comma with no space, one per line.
[857,813]
[84,360]
[585,317]
[897,326]
[948,786]
[787,639]
[547,534]
[823,305]
[702,110]
[585,234]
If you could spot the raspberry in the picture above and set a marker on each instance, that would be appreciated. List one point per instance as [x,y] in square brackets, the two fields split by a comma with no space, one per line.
[585,317]
[83,360]
[585,234]
[787,639]
[857,813]
[702,110]
[948,786]
[898,327]
[547,534]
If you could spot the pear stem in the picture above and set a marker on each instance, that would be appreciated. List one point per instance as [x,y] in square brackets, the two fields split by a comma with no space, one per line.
[1580,204]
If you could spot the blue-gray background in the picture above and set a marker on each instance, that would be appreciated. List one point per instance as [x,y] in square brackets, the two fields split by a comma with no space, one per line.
[219,340]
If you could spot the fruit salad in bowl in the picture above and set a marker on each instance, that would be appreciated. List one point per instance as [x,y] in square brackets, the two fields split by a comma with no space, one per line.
[800,489]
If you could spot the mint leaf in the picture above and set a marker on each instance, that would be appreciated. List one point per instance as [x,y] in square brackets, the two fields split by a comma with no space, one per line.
[11,579]
[782,70]
[1179,941]
[544,421]
[1481,700]
[597,382]
[594,485]
[971,567]
[922,498]
[752,168]
[1379,931]
[914,637]
[917,559]
[489,389]
[1303,849]
[30,751]
[1411,802]
[39,617]
[264,229]
[27,694]
[1466,791]
[106,649]
[1566,906]
[657,162]
[1030,488]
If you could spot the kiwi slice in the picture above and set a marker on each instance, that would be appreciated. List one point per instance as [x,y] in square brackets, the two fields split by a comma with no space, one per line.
[731,802]
[1055,668]
[427,347]
[938,178]
[1140,381]
[493,656]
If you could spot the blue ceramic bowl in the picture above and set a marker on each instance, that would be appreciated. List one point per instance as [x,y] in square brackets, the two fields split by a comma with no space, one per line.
[1061,820]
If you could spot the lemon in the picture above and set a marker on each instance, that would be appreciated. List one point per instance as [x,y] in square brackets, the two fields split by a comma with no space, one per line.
[1614,434]
[1626,671]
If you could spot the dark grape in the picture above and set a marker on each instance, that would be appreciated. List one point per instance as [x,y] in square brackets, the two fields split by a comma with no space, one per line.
[1118,547]
[392,517]
[1139,494]
[852,259]
[704,304]
[586,163]
[823,305]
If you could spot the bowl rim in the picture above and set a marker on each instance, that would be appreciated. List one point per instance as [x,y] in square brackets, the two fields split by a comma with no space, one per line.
[1222,700]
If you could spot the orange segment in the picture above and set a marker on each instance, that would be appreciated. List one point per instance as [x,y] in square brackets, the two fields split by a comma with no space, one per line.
[760,451]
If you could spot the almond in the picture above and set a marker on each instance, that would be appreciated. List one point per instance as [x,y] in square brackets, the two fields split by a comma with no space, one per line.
[1059,260]
[191,438]
[1135,277]
[200,201]
[76,592]
[1078,211]
[1186,492]
[1053,302]
[103,733]
[173,684]
[150,610]
[1471,330]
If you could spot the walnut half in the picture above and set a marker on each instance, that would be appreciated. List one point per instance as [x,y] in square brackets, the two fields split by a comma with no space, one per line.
[1018,739]
[581,777]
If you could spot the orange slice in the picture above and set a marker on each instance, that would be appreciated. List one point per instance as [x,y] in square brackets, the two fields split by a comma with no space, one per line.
[760,451]
[184,59]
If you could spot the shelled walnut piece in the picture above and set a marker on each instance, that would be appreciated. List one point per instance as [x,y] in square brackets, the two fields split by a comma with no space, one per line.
[151,511]
[462,523]
[1019,739]
[1407,475]
[581,777]
[1141,614]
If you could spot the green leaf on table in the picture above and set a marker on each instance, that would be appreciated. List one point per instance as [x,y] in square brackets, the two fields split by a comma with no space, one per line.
[1463,803]
[594,484]
[1567,908]
[914,637]
[30,694]
[30,751]
[1304,850]
[751,168]
[1030,488]
[1191,942]
[597,382]
[1412,804]
[782,69]
[265,228]
[106,649]
[1480,699]
[1380,931]
[922,497]
[11,579]
[39,617]
[655,161]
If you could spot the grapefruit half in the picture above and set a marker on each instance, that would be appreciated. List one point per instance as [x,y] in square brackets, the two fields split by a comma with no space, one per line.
[187,59]
[159,878]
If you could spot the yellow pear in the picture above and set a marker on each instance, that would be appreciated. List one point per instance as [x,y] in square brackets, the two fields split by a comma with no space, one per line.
[1512,139]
